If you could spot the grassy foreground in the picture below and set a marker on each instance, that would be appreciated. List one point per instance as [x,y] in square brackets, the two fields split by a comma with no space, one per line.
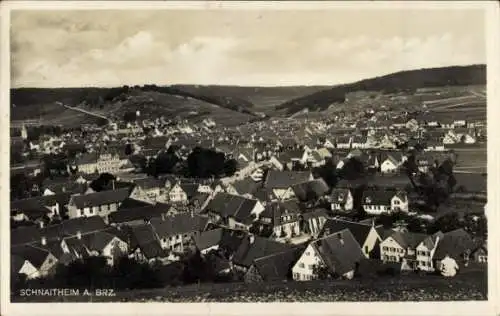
[467,286]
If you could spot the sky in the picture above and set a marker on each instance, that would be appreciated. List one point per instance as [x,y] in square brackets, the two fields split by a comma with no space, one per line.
[55,48]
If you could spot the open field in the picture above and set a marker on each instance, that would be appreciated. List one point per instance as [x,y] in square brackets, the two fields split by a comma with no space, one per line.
[468,285]
[472,159]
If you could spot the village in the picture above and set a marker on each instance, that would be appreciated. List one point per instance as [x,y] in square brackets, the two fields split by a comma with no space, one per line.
[292,199]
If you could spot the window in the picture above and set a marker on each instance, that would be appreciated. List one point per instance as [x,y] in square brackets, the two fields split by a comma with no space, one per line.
[311,267]
[366,249]
[396,202]
[384,248]
[308,253]
[301,265]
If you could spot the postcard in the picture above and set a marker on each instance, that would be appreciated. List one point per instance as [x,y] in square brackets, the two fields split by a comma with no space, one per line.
[329,158]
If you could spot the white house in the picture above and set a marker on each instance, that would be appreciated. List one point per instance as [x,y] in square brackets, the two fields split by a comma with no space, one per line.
[177,194]
[425,252]
[341,200]
[376,201]
[337,254]
[389,165]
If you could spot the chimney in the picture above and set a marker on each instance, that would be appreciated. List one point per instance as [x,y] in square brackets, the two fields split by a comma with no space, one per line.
[79,235]
[41,224]
[251,238]
[44,241]
[327,231]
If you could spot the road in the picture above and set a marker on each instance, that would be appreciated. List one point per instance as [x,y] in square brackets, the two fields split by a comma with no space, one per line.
[83,111]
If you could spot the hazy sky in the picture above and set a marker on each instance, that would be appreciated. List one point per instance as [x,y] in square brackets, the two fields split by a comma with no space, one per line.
[258,47]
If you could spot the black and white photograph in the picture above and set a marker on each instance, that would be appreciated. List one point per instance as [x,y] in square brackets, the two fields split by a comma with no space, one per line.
[247,152]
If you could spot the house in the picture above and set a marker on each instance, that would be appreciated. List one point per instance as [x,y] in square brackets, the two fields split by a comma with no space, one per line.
[36,207]
[456,245]
[176,232]
[310,190]
[274,267]
[312,221]
[425,252]
[245,187]
[182,192]
[208,240]
[32,261]
[149,190]
[480,254]
[291,158]
[341,199]
[280,220]
[101,243]
[145,246]
[390,164]
[366,235]
[337,255]
[281,182]
[255,247]
[400,247]
[138,215]
[99,203]
[379,201]
[233,211]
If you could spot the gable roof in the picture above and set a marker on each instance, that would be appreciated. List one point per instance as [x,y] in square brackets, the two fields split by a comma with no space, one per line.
[178,224]
[310,190]
[246,185]
[408,239]
[260,247]
[228,205]
[284,179]
[359,231]
[209,238]
[149,183]
[36,256]
[138,213]
[378,196]
[339,251]
[277,266]
[100,198]
[144,238]
[454,244]
[275,211]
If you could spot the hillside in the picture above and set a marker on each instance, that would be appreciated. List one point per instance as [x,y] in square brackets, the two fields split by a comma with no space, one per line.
[262,98]
[404,81]
[40,104]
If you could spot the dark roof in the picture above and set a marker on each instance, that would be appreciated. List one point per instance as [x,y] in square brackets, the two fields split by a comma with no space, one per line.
[178,224]
[209,238]
[378,197]
[246,185]
[454,244]
[339,195]
[130,203]
[408,239]
[70,227]
[145,239]
[277,266]
[359,231]
[275,211]
[228,205]
[310,190]
[149,183]
[191,189]
[248,252]
[138,213]
[284,179]
[340,251]
[100,198]
[36,256]
[35,203]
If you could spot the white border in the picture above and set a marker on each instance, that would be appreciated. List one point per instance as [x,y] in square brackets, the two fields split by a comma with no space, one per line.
[492,26]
